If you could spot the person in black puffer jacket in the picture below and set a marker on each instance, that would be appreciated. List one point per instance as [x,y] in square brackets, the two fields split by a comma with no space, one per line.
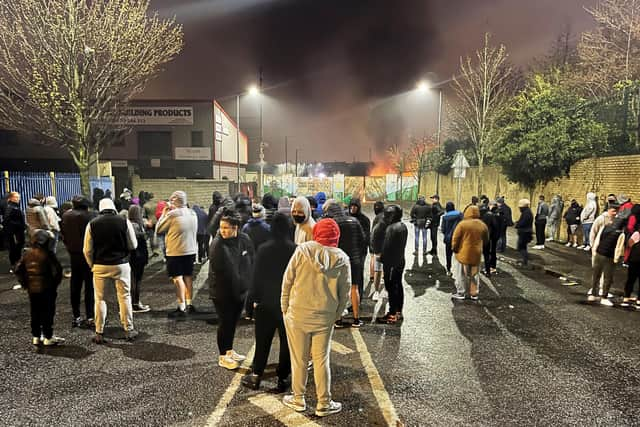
[421,217]
[524,225]
[271,262]
[492,221]
[270,205]
[393,262]
[374,272]
[226,207]
[216,202]
[355,210]
[231,257]
[40,273]
[352,241]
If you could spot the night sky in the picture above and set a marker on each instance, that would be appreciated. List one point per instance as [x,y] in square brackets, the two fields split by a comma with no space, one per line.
[338,71]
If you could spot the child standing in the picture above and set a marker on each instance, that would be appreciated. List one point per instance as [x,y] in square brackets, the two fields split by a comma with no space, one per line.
[40,273]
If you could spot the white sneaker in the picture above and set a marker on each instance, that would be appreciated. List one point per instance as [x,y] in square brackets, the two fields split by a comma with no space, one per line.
[16,287]
[228,362]
[587,248]
[589,292]
[568,244]
[376,296]
[606,302]
[36,341]
[333,408]
[235,356]
[592,298]
[53,341]
[609,295]
[549,239]
[290,402]
[579,247]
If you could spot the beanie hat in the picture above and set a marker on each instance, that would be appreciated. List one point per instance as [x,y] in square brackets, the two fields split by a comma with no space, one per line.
[258,211]
[524,203]
[106,205]
[326,232]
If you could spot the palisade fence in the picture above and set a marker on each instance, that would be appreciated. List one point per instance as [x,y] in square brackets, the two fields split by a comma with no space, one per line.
[63,186]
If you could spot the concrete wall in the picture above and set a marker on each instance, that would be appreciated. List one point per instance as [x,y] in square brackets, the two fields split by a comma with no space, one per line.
[198,190]
[618,174]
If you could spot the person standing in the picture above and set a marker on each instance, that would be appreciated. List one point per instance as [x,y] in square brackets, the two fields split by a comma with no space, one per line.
[449,221]
[202,235]
[355,210]
[587,216]
[108,240]
[270,205]
[321,199]
[14,227]
[504,211]
[377,240]
[492,221]
[216,202]
[351,242]
[40,273]
[572,217]
[256,228]
[51,212]
[436,214]
[315,291]
[271,262]
[303,218]
[138,259]
[632,259]
[421,217]
[555,215]
[467,242]
[150,206]
[36,217]
[542,213]
[231,258]
[180,226]
[524,226]
[74,223]
[393,262]
[608,248]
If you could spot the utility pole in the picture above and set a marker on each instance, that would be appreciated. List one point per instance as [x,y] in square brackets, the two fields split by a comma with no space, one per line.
[296,162]
[238,139]
[261,189]
[439,132]
[286,153]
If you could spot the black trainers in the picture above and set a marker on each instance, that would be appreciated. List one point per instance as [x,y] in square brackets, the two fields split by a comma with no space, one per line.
[177,314]
[76,322]
[191,309]
[339,324]
[357,323]
[384,319]
[283,385]
[251,381]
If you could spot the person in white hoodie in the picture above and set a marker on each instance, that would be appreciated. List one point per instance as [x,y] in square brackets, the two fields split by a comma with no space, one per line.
[179,224]
[50,207]
[301,213]
[315,291]
[587,217]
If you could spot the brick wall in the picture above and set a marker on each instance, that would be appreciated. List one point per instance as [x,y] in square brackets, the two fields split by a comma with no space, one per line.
[617,174]
[198,190]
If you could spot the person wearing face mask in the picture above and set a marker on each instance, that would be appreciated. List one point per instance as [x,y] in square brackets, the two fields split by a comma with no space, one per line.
[524,225]
[301,213]
[231,257]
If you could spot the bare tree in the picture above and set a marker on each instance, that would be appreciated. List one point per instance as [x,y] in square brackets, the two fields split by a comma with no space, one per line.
[483,87]
[419,160]
[399,162]
[610,53]
[68,68]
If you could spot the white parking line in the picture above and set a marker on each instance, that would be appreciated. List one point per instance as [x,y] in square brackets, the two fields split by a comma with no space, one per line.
[339,348]
[275,408]
[226,398]
[377,385]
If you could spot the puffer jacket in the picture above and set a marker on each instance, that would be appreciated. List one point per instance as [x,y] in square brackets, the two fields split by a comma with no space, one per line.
[421,214]
[321,198]
[448,224]
[39,270]
[270,206]
[588,214]
[304,231]
[572,215]
[395,238]
[51,211]
[351,234]
[216,202]
[469,237]
[364,221]
[36,217]
[230,268]
[316,285]
[258,231]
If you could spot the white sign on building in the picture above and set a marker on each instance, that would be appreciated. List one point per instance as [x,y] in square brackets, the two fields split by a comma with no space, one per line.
[192,153]
[157,116]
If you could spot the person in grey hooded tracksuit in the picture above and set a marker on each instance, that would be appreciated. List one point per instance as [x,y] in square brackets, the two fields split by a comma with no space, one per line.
[555,216]
[315,291]
[301,214]
[587,217]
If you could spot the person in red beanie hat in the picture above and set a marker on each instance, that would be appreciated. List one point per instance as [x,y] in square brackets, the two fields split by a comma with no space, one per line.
[315,291]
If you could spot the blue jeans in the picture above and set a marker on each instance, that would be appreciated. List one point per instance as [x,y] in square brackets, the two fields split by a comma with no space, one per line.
[422,230]
[586,229]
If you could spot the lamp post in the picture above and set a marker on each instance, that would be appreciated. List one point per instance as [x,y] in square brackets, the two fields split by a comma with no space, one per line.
[423,86]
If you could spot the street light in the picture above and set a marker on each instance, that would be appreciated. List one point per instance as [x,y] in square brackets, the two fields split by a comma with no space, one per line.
[422,87]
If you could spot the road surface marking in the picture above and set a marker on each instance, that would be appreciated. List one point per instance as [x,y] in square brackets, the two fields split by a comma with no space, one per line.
[339,348]
[377,385]
[281,413]
[226,398]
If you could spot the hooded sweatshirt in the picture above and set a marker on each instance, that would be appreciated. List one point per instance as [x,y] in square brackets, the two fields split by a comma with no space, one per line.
[316,285]
[364,221]
[36,217]
[180,226]
[50,207]
[590,210]
[555,211]
[304,231]
[449,222]
[469,237]
[321,198]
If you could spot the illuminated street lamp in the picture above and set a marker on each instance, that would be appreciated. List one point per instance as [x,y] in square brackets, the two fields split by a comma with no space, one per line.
[422,87]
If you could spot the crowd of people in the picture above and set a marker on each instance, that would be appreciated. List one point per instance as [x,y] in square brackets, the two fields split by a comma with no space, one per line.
[295,266]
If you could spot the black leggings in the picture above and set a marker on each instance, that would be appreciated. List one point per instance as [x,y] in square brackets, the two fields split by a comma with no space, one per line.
[268,319]
[43,309]
[137,271]
[228,315]
[393,285]
[203,247]
[633,275]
